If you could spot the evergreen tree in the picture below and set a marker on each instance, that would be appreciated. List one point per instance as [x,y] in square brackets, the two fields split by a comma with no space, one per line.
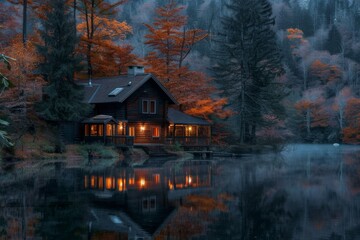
[248,61]
[62,97]
[334,41]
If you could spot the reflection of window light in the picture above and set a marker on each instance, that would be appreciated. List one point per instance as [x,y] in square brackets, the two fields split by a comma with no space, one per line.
[189,179]
[121,184]
[108,183]
[142,182]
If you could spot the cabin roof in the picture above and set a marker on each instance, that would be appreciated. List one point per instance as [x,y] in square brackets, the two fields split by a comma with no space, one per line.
[118,88]
[100,119]
[177,117]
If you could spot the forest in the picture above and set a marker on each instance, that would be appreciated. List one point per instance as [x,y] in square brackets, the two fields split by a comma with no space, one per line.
[262,71]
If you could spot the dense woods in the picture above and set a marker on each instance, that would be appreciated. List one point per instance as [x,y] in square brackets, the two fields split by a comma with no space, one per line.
[284,71]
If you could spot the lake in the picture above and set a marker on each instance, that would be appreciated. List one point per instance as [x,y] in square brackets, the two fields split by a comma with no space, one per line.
[304,192]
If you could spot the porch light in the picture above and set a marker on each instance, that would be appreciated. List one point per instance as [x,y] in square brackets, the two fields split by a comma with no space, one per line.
[190,179]
[142,128]
[190,128]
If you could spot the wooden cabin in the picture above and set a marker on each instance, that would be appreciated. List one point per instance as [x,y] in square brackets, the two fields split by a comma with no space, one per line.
[136,109]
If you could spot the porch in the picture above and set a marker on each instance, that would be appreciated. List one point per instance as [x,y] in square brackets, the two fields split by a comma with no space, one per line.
[105,129]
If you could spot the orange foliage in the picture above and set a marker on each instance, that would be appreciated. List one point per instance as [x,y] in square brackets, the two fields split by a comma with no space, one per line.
[351,134]
[21,73]
[319,116]
[191,218]
[100,36]
[172,43]
[325,72]
[8,22]
[296,38]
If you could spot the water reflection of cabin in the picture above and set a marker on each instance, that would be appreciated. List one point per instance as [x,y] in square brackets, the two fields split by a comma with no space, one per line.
[144,198]
[137,109]
[194,174]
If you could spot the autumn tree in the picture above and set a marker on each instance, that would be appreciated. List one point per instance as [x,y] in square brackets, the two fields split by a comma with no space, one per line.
[4,83]
[8,23]
[351,133]
[313,112]
[22,76]
[63,98]
[247,64]
[171,42]
[100,33]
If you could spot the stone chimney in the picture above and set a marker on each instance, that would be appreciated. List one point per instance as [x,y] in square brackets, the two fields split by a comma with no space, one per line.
[135,70]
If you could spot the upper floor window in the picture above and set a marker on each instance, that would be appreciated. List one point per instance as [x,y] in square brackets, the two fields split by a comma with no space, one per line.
[149,106]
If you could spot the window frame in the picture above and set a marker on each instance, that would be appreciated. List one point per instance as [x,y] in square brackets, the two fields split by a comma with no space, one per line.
[152,132]
[147,103]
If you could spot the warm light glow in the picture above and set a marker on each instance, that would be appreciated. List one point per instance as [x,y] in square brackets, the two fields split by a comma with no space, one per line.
[171,186]
[157,178]
[132,181]
[190,128]
[142,182]
[142,128]
[120,183]
[92,181]
[190,180]
[108,183]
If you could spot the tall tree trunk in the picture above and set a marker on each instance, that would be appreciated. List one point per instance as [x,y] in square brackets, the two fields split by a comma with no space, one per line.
[242,110]
[24,21]
[308,122]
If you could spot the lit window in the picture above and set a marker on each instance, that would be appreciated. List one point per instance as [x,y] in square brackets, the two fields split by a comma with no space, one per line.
[109,183]
[156,132]
[120,129]
[96,130]
[109,129]
[149,106]
[132,131]
[157,178]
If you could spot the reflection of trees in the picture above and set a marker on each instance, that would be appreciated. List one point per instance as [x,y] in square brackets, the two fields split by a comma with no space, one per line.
[262,215]
[62,214]
[192,216]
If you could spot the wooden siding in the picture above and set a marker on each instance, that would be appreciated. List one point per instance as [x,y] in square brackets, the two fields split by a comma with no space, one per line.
[149,91]
[145,135]
[116,110]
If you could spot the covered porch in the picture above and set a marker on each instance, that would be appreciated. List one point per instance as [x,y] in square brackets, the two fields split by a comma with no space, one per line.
[105,129]
[187,130]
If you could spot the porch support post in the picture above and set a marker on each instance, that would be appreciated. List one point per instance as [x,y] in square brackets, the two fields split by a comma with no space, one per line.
[104,132]
[174,133]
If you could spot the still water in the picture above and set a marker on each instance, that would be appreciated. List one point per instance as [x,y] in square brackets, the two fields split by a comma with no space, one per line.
[305,192]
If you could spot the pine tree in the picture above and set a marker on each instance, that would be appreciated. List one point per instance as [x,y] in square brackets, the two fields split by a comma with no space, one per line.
[247,63]
[334,41]
[62,97]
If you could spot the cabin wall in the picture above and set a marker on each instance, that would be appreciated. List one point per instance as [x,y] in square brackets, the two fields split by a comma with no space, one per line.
[144,133]
[149,91]
[116,110]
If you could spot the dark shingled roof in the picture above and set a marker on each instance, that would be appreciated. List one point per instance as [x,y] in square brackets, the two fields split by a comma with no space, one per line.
[177,117]
[100,119]
[98,91]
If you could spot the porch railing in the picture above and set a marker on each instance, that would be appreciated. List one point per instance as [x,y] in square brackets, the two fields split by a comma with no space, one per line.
[111,140]
[119,140]
[189,141]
